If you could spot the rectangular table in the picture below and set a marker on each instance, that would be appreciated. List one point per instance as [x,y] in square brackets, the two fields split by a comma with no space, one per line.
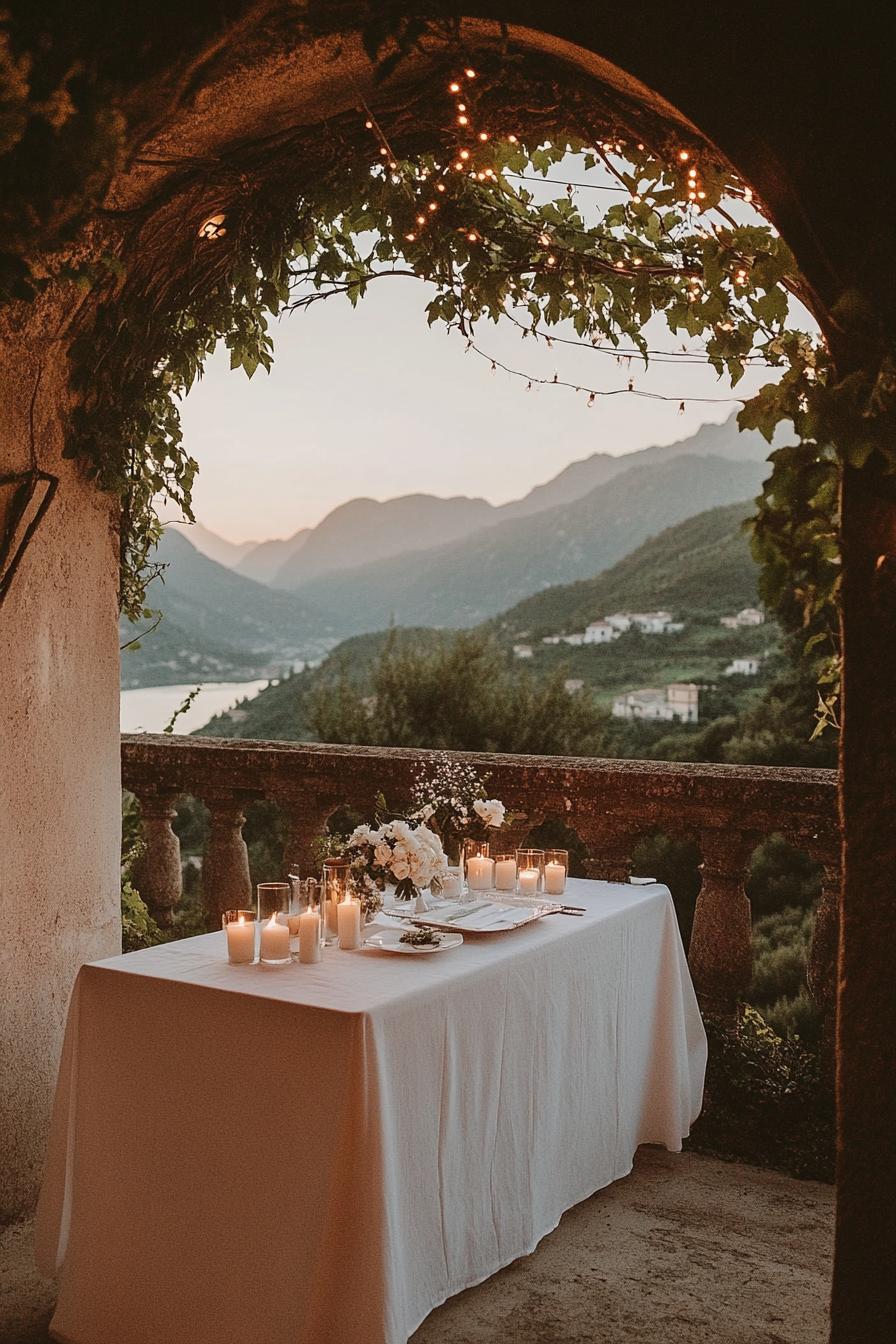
[323,1154]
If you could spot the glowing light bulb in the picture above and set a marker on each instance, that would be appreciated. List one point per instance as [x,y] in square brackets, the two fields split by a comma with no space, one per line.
[411,237]
[462,120]
[552,261]
[513,140]
[472,237]
[638,261]
[636,200]
[464,154]
[748,194]
[421,219]
[454,87]
[483,135]
[701,195]
[214,227]
[470,74]
[440,186]
[369,125]
[384,151]
[620,265]
[432,204]
[683,155]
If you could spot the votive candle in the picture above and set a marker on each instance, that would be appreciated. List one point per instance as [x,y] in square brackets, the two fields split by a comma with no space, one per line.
[240,939]
[528,881]
[554,878]
[505,872]
[479,873]
[274,940]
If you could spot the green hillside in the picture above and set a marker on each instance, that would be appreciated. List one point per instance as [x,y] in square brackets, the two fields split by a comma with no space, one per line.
[278,712]
[700,570]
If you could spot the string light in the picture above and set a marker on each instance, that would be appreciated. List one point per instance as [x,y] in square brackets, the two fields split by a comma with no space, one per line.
[462,120]
[454,87]
[683,155]
[470,74]
[369,125]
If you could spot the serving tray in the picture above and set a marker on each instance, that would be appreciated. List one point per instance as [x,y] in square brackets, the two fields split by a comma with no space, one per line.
[496,913]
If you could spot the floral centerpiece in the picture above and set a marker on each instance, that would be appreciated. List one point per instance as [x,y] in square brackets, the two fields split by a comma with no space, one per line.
[452,797]
[404,852]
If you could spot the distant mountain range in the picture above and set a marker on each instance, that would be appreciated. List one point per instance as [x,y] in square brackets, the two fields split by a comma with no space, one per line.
[469,580]
[365,530]
[234,612]
[217,625]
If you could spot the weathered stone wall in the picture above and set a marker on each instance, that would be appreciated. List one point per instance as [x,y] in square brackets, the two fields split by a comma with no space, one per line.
[59,748]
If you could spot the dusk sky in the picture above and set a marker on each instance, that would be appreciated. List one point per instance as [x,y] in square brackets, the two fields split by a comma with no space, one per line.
[372,402]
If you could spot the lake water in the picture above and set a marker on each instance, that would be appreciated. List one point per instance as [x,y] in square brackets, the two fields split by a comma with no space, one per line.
[148,708]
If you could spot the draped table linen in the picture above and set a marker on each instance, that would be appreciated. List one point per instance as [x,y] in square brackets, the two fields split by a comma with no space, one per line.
[323,1154]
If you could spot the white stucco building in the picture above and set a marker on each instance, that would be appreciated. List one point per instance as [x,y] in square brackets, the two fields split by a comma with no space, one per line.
[600,632]
[679,700]
[742,667]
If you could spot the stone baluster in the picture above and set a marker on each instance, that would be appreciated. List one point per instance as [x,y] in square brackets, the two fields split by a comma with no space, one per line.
[610,848]
[721,950]
[306,821]
[157,872]
[226,884]
[821,969]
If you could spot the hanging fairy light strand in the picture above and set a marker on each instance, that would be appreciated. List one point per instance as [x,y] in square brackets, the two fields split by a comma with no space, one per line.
[467,159]
[593,393]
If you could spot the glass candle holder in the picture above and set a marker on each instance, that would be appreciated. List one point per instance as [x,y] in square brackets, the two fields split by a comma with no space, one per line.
[556,871]
[529,871]
[334,885]
[239,928]
[478,866]
[505,872]
[272,898]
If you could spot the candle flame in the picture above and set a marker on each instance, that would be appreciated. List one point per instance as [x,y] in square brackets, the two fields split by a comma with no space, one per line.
[242,919]
[272,922]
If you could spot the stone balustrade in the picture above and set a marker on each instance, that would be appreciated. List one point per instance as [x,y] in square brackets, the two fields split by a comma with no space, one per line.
[726,809]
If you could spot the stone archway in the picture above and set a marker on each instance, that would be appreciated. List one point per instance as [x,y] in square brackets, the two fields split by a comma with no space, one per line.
[205,98]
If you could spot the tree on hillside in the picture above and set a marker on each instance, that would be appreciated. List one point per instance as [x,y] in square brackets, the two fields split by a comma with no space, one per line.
[457,694]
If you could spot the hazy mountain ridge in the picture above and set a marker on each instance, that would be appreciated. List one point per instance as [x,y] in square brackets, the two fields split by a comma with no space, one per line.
[469,581]
[363,531]
[217,624]
[423,521]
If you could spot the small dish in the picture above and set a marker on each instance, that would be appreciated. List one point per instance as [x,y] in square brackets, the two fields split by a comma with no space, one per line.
[389,940]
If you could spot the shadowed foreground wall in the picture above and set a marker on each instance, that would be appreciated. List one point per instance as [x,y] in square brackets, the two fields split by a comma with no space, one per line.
[59,771]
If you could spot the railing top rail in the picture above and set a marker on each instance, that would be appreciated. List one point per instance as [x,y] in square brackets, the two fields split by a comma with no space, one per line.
[752,797]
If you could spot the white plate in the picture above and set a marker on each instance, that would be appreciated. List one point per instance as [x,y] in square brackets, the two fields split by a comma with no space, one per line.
[389,940]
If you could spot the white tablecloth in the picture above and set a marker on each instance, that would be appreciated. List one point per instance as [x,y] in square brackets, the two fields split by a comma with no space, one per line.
[323,1154]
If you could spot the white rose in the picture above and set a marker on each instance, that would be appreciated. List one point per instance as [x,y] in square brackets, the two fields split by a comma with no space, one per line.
[490,811]
[382,854]
[400,870]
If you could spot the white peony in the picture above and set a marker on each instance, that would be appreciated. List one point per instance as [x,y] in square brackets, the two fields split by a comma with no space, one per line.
[490,811]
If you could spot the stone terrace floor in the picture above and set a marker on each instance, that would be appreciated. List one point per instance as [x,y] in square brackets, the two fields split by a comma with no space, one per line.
[685,1250]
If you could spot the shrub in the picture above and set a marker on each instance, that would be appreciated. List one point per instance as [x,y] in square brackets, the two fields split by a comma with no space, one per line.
[766,1101]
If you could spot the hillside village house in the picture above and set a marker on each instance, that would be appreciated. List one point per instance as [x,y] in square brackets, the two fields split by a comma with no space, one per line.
[600,632]
[749,616]
[678,700]
[742,667]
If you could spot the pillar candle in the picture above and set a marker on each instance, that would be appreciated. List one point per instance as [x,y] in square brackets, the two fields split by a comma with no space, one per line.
[348,915]
[479,873]
[309,936]
[528,881]
[240,940]
[554,879]
[505,874]
[274,940]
